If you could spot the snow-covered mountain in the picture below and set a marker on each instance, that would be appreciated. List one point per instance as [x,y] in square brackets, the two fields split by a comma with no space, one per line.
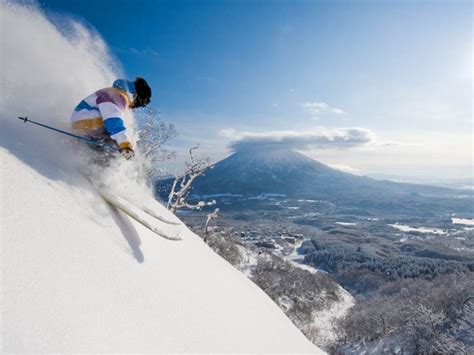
[288,172]
[263,171]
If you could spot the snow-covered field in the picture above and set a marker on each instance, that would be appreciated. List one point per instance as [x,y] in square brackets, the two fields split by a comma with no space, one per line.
[405,228]
[464,221]
[78,276]
[296,259]
[346,223]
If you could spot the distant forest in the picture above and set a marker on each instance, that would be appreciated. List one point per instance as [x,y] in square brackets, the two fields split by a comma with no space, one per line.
[362,272]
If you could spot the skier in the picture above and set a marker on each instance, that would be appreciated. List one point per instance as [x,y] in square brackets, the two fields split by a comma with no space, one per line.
[100,116]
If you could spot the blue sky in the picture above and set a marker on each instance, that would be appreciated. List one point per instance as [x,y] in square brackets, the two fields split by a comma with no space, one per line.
[223,70]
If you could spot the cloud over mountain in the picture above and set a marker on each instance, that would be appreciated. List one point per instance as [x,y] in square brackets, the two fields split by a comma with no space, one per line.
[309,139]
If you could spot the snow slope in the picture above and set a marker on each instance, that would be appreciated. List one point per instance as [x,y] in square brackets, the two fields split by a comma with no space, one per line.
[79,277]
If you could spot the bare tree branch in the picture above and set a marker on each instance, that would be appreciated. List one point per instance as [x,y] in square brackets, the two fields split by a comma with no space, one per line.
[210,217]
[194,168]
[154,135]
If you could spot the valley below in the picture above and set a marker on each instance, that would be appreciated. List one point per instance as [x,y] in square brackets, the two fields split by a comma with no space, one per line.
[373,254]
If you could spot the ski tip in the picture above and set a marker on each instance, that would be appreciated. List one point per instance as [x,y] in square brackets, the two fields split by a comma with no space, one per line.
[165,235]
[170,237]
[177,237]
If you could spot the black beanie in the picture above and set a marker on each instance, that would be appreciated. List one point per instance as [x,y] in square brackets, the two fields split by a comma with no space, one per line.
[143,90]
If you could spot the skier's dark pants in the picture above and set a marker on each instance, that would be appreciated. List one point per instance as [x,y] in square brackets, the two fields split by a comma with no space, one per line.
[100,155]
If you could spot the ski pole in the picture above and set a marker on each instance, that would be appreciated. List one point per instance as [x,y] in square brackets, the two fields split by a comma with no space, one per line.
[85,139]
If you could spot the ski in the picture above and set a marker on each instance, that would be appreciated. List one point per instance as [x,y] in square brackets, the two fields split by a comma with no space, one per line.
[149,211]
[153,214]
[134,212]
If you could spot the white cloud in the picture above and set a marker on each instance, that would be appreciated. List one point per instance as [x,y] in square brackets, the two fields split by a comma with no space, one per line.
[228,133]
[316,138]
[318,109]
[345,168]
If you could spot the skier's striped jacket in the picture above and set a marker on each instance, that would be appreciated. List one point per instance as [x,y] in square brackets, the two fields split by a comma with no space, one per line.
[101,114]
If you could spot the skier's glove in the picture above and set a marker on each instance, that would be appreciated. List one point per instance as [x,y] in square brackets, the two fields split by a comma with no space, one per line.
[127,153]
